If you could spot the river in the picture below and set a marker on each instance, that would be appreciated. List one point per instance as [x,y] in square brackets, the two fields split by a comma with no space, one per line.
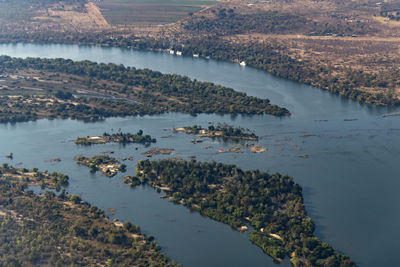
[350,180]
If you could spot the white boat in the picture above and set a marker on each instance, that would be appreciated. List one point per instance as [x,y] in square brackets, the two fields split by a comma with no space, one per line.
[171,52]
[243,64]
[195,55]
[178,53]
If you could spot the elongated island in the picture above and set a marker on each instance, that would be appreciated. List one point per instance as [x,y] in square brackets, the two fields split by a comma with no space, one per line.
[272,204]
[36,88]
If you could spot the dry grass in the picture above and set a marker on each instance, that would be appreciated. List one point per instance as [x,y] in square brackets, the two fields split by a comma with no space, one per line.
[95,13]
[68,17]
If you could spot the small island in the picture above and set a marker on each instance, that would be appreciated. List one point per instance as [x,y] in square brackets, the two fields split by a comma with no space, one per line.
[63,230]
[258,149]
[272,204]
[219,131]
[234,149]
[109,166]
[158,151]
[121,138]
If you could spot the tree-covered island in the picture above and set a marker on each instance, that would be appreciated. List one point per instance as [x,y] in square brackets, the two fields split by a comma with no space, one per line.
[51,230]
[36,88]
[219,131]
[109,166]
[120,137]
[272,204]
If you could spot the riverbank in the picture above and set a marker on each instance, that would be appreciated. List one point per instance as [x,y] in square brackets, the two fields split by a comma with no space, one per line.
[363,86]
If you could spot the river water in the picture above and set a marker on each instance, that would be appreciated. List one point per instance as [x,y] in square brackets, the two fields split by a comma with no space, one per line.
[349,180]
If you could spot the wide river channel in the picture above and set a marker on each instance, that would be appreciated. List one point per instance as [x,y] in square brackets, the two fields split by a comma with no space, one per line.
[350,180]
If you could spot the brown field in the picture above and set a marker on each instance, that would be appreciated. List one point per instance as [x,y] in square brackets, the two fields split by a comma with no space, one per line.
[88,17]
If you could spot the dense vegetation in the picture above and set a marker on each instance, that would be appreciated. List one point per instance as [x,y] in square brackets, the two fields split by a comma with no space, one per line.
[120,137]
[272,204]
[27,108]
[221,131]
[109,166]
[156,92]
[227,22]
[50,230]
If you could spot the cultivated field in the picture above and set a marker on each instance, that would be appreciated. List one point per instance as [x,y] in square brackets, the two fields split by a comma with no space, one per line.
[153,12]
[16,11]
